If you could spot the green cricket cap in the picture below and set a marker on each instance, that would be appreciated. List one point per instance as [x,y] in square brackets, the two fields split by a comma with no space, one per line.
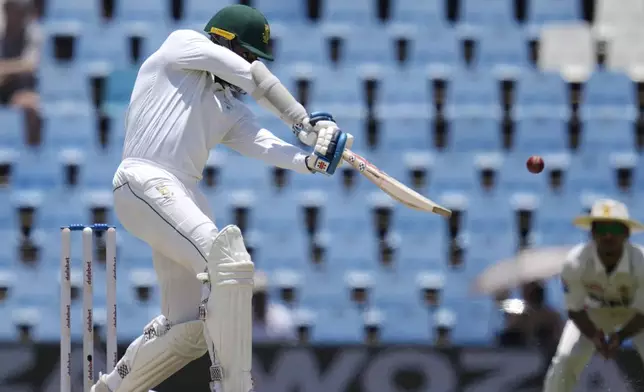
[246,24]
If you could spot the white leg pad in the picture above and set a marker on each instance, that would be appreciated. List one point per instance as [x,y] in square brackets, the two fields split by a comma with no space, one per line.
[161,351]
[226,312]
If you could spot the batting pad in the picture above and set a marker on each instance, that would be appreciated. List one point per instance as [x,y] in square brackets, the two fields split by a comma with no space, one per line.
[161,351]
[226,311]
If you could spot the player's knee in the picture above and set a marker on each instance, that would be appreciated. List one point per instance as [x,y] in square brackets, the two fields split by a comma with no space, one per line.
[185,339]
[228,259]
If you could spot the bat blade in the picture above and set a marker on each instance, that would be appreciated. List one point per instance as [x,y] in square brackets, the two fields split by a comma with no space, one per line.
[394,188]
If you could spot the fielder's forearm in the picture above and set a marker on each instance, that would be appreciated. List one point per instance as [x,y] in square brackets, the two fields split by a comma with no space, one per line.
[15,66]
[584,323]
[632,328]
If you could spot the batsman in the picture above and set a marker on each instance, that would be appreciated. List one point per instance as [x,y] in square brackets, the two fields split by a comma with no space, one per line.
[603,282]
[183,104]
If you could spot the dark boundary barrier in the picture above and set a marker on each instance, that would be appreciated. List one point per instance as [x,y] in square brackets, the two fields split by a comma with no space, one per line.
[284,368]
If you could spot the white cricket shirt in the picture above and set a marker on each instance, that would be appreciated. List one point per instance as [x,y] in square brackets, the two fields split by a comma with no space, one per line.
[587,286]
[177,113]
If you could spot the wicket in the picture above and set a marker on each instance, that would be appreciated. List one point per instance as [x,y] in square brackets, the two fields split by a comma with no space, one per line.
[65,303]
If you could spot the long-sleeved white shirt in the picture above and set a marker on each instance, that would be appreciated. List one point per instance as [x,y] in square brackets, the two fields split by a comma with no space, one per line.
[177,112]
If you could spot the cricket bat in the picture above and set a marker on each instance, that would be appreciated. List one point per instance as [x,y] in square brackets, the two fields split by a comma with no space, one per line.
[394,188]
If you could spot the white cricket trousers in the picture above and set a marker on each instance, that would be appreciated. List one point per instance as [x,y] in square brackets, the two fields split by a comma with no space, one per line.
[174,218]
[575,350]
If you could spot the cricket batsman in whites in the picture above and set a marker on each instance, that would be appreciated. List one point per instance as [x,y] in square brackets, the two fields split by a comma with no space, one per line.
[603,282]
[184,104]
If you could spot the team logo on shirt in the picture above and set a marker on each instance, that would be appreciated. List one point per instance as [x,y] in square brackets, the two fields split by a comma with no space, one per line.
[594,288]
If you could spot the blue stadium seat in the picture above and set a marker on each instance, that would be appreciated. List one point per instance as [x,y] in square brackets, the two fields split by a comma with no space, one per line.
[553,220]
[341,87]
[609,94]
[99,168]
[81,11]
[474,134]
[12,121]
[590,173]
[118,89]
[534,135]
[441,51]
[107,44]
[291,11]
[473,93]
[63,84]
[488,13]
[513,176]
[36,171]
[410,90]
[199,11]
[368,45]
[359,12]
[332,326]
[609,135]
[491,215]
[547,11]
[404,134]
[151,11]
[72,127]
[420,13]
[454,173]
[541,94]
[417,326]
[503,49]
[473,320]
[299,43]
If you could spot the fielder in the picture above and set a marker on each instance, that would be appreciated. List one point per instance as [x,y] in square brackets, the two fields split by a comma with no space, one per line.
[604,289]
[184,104]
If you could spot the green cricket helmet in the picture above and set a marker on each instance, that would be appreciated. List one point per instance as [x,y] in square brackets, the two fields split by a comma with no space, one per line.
[244,25]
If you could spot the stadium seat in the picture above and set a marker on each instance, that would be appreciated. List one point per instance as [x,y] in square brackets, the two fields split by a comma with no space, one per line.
[12,121]
[623,52]
[489,13]
[542,12]
[149,11]
[78,11]
[409,91]
[107,46]
[609,95]
[334,88]
[608,135]
[569,49]
[441,53]
[360,12]
[64,84]
[536,135]
[368,45]
[611,17]
[291,11]
[513,177]
[454,173]
[70,128]
[472,93]
[474,134]
[404,134]
[118,89]
[541,94]
[504,50]
[299,44]
[419,13]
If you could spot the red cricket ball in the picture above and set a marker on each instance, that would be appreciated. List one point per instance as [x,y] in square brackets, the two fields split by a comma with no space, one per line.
[535,164]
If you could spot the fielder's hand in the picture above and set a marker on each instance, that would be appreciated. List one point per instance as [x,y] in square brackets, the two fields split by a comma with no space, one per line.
[613,344]
[330,142]
[601,345]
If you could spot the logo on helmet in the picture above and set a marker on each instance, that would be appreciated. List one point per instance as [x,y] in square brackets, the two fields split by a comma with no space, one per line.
[267,34]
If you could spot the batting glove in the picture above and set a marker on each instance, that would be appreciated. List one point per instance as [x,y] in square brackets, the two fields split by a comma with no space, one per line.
[330,143]
[307,131]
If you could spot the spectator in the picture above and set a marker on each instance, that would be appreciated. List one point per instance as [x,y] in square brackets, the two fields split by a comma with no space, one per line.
[19,54]
[271,322]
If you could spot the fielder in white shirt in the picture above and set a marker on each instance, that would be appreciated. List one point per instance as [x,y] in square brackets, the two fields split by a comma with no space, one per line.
[604,289]
[183,104]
